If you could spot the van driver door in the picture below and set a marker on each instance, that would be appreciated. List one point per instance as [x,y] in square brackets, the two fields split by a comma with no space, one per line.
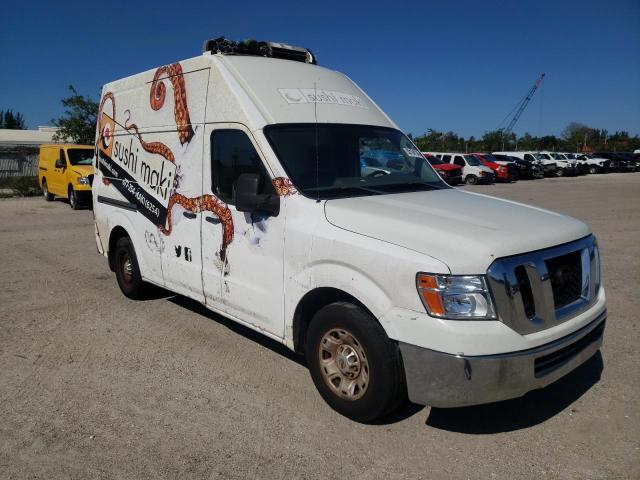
[242,252]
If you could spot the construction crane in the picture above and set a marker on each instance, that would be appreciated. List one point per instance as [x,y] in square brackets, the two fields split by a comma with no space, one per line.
[519,108]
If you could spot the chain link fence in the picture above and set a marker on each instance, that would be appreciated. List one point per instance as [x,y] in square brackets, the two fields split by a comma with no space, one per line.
[19,171]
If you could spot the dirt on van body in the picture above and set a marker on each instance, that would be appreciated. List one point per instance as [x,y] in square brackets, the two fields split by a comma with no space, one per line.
[93,385]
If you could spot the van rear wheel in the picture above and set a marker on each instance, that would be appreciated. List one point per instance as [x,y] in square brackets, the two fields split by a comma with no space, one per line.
[354,365]
[127,270]
[45,191]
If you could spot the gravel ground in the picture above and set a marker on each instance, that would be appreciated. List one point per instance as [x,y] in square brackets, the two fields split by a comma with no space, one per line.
[94,385]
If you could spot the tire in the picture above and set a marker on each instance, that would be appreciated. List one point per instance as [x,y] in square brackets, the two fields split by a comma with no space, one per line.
[593,170]
[357,353]
[73,199]
[560,172]
[471,180]
[45,191]
[128,270]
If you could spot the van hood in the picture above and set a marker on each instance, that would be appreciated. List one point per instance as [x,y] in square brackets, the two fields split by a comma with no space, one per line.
[82,170]
[466,231]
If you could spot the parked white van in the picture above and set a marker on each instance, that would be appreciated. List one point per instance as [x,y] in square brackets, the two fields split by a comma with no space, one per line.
[234,178]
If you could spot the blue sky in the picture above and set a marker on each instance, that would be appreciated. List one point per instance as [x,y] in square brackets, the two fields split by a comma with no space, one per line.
[458,66]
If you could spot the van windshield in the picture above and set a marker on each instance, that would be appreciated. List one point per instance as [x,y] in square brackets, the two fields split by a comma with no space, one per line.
[80,156]
[472,160]
[340,160]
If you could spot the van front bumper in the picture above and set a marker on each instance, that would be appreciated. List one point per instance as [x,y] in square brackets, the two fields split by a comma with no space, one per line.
[444,380]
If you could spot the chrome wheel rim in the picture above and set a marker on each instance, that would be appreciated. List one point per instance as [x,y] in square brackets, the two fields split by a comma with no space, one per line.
[44,189]
[343,364]
[127,268]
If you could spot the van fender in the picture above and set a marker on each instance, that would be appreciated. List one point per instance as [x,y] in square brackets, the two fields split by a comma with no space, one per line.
[116,219]
[341,277]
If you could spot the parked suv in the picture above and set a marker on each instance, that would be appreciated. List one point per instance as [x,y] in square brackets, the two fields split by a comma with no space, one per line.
[390,282]
[473,171]
[616,162]
[593,164]
[505,171]
[452,174]
[549,165]
[565,167]
[528,170]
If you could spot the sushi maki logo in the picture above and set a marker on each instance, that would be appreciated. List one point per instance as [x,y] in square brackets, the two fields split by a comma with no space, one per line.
[106,133]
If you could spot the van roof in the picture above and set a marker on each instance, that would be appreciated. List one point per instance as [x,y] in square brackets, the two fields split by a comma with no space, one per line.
[286,91]
[260,91]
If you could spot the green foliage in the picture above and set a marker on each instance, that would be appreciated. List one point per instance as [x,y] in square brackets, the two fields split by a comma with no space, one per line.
[21,186]
[78,124]
[10,120]
[572,140]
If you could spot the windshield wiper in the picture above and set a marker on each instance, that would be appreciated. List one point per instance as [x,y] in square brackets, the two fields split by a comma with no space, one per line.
[403,186]
[346,189]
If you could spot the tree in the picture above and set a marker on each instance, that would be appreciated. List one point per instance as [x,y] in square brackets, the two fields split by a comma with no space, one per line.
[78,124]
[11,120]
[492,141]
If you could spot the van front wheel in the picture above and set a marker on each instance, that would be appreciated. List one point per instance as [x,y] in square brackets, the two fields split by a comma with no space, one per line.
[127,270]
[45,191]
[73,199]
[471,180]
[354,365]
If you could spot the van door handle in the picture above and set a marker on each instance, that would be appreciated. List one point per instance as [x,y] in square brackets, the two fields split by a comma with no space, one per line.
[214,220]
[189,214]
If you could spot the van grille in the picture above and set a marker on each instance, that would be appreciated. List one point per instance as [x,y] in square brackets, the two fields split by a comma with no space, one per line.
[541,289]
[548,363]
[565,273]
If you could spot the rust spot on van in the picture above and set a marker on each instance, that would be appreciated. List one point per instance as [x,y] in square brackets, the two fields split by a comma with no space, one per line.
[284,187]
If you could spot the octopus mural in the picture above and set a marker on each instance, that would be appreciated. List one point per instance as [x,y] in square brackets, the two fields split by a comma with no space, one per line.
[209,203]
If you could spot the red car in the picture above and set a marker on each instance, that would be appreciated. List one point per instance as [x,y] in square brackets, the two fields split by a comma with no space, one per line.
[450,173]
[503,172]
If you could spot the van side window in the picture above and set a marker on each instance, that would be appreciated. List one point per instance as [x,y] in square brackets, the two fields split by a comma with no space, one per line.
[233,154]
[62,156]
[459,161]
[446,158]
[529,157]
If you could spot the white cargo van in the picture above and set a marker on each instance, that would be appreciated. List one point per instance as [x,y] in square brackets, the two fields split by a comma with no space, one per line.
[235,178]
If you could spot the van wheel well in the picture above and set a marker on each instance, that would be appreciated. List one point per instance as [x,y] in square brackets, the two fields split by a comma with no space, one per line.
[310,304]
[116,234]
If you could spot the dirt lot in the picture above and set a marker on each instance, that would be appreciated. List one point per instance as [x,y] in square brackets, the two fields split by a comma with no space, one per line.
[93,385]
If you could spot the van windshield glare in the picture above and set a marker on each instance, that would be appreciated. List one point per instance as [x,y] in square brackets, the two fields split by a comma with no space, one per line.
[473,160]
[340,160]
[80,156]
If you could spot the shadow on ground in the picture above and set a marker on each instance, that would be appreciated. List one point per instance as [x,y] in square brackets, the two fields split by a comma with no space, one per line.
[534,408]
[238,328]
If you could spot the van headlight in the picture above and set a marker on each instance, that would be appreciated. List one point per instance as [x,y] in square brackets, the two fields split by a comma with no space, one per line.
[84,181]
[456,297]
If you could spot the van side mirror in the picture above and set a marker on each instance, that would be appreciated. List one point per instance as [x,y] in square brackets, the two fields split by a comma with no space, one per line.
[60,163]
[249,200]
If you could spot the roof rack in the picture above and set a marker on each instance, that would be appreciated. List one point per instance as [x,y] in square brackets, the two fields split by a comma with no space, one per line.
[261,49]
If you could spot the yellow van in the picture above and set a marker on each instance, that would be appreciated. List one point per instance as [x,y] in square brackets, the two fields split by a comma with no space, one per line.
[66,171]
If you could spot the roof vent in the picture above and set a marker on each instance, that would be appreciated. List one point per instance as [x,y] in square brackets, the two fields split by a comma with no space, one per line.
[260,49]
